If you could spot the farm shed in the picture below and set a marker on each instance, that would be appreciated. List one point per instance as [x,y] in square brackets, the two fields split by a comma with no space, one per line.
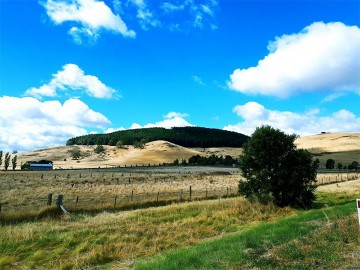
[40,167]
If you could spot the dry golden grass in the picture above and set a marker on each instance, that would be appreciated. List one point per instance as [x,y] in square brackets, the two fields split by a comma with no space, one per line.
[154,153]
[341,147]
[26,192]
[330,142]
[81,242]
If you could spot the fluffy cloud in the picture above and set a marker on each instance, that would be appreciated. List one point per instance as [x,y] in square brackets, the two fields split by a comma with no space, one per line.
[27,123]
[307,123]
[172,119]
[92,16]
[323,56]
[71,77]
[88,18]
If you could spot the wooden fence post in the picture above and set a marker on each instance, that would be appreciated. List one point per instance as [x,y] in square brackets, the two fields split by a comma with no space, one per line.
[59,200]
[49,199]
[77,200]
[190,191]
[115,201]
[132,195]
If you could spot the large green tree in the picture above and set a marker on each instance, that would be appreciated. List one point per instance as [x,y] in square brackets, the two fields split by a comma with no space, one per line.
[276,171]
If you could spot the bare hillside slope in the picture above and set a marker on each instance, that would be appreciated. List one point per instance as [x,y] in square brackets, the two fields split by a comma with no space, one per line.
[154,153]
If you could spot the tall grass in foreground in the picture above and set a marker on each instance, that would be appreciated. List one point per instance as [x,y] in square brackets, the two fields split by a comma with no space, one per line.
[317,239]
[82,241]
[221,234]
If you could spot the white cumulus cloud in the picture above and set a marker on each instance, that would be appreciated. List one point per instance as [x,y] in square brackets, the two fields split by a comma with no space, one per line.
[71,77]
[171,119]
[310,122]
[27,123]
[91,17]
[322,57]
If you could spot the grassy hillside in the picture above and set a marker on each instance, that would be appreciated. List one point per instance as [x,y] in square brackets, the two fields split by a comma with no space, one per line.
[183,136]
[342,147]
[154,153]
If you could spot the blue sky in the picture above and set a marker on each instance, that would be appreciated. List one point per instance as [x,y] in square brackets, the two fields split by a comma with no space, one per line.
[72,67]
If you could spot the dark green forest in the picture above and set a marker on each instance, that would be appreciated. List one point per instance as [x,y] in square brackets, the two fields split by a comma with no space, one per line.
[184,136]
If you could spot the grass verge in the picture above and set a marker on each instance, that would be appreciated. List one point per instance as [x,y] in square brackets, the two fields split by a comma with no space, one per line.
[316,239]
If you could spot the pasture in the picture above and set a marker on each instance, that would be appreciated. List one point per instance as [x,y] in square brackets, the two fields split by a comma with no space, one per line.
[193,235]
[25,194]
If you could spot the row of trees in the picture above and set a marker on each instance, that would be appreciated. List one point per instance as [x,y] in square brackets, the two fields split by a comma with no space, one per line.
[184,136]
[6,159]
[330,165]
[207,161]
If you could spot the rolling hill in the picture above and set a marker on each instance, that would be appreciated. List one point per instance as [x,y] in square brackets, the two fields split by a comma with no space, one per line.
[342,147]
[183,136]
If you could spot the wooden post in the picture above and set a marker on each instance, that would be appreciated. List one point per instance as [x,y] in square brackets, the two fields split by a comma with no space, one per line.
[132,195]
[59,200]
[129,181]
[190,191]
[49,199]
[77,200]
[115,201]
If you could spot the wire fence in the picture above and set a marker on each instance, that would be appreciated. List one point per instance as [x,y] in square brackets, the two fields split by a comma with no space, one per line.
[29,192]
[129,200]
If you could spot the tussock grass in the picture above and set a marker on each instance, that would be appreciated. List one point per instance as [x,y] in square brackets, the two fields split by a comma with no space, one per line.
[81,241]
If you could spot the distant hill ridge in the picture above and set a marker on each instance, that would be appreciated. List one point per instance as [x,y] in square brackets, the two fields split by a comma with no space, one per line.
[184,136]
